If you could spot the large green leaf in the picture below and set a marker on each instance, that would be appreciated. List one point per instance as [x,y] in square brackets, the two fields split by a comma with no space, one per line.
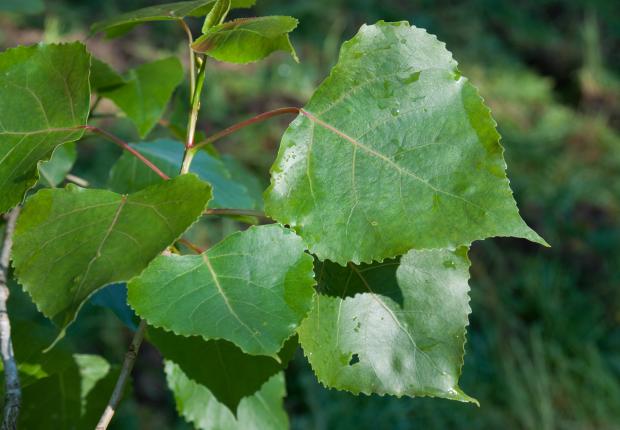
[120,24]
[129,174]
[246,40]
[53,172]
[391,328]
[252,289]
[44,99]
[395,150]
[228,373]
[263,410]
[70,242]
[146,92]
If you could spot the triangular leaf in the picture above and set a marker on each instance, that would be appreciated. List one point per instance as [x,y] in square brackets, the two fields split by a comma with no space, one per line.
[147,91]
[121,24]
[263,410]
[44,100]
[104,77]
[252,289]
[129,174]
[70,242]
[228,373]
[391,328]
[246,40]
[395,150]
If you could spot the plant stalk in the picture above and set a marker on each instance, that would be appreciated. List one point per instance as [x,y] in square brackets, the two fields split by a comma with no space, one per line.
[128,363]
[12,389]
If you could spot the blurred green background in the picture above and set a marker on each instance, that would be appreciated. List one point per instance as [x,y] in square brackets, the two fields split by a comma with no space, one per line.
[543,347]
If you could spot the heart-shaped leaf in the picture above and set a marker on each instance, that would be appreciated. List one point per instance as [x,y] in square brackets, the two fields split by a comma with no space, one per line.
[395,150]
[70,242]
[391,328]
[246,40]
[252,289]
[44,101]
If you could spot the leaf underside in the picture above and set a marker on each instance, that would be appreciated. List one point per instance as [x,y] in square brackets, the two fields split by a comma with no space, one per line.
[393,328]
[70,242]
[394,151]
[252,289]
[50,84]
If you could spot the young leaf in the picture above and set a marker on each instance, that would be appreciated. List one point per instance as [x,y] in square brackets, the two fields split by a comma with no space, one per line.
[218,365]
[129,174]
[44,99]
[121,24]
[391,328]
[146,93]
[246,40]
[252,289]
[263,410]
[217,15]
[53,172]
[395,150]
[70,242]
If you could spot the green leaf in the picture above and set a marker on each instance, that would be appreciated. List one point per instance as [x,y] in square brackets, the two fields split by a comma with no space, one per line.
[394,151]
[217,15]
[263,410]
[53,172]
[103,76]
[146,93]
[129,174]
[228,373]
[391,328]
[246,40]
[244,176]
[70,242]
[44,99]
[252,289]
[121,24]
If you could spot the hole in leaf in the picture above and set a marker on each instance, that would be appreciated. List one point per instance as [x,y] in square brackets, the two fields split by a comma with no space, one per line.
[354,359]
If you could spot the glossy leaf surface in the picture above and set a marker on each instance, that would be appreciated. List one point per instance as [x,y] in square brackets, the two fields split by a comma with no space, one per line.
[130,175]
[252,289]
[147,91]
[246,40]
[44,99]
[70,242]
[391,328]
[395,150]
[263,410]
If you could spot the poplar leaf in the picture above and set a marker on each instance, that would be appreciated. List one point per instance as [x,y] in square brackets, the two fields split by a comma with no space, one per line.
[395,150]
[44,101]
[246,40]
[72,241]
[391,328]
[251,289]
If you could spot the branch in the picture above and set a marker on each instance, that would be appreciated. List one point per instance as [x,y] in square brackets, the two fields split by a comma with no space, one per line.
[117,394]
[125,146]
[12,397]
[258,118]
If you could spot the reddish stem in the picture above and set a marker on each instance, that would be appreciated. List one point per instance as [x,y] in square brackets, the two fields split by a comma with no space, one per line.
[190,245]
[125,146]
[258,118]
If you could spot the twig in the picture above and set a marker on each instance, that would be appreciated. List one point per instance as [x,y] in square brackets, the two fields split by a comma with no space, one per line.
[117,394]
[77,180]
[13,394]
[258,118]
[190,245]
[240,212]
